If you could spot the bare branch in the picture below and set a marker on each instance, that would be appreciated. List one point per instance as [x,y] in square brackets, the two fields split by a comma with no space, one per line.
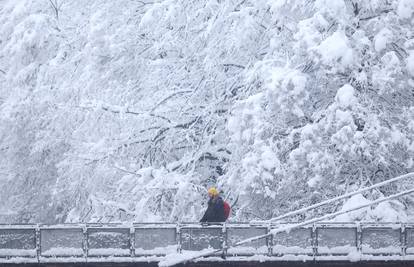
[55,7]
[234,65]
[118,110]
[376,15]
[169,97]
[125,170]
[145,3]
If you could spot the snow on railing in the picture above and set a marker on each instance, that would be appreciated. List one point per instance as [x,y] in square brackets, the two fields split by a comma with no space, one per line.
[137,242]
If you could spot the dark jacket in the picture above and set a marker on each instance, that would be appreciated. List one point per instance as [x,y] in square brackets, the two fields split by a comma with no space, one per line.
[215,211]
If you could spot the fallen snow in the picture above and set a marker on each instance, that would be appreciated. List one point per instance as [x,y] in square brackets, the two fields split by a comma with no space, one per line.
[381,39]
[343,118]
[334,8]
[269,159]
[175,258]
[336,48]
[62,251]
[405,9]
[247,250]
[386,213]
[296,250]
[156,251]
[18,252]
[351,203]
[345,96]
[366,249]
[108,251]
[74,259]
[347,249]
[20,259]
[314,181]
[124,259]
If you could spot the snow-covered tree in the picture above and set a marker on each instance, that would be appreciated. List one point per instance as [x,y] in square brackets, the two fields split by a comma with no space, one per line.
[335,108]
[129,110]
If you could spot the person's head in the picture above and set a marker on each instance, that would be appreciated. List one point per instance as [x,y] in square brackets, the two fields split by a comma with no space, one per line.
[212,192]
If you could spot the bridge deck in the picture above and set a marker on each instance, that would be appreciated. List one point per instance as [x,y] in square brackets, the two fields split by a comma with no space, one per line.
[146,244]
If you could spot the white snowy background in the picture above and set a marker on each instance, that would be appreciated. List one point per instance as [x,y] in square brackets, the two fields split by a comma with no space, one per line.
[128,110]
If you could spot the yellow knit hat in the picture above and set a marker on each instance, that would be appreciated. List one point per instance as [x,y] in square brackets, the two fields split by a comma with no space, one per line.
[213,191]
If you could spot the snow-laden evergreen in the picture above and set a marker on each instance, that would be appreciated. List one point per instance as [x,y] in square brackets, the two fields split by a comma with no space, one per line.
[128,110]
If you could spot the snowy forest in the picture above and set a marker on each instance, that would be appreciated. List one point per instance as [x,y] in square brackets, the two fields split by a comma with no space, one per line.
[129,110]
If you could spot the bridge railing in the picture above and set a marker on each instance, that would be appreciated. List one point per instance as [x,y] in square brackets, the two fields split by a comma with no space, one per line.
[41,242]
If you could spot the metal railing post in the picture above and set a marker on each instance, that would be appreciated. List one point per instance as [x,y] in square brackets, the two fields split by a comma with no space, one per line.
[37,240]
[132,241]
[403,239]
[85,244]
[178,238]
[269,240]
[314,241]
[359,238]
[224,241]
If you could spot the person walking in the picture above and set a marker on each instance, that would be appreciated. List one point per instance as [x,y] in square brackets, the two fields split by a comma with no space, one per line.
[215,209]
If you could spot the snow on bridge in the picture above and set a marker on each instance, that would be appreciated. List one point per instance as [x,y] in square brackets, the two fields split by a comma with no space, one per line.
[151,242]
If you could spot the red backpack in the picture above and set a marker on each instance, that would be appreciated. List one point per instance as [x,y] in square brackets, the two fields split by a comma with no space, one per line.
[227,209]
